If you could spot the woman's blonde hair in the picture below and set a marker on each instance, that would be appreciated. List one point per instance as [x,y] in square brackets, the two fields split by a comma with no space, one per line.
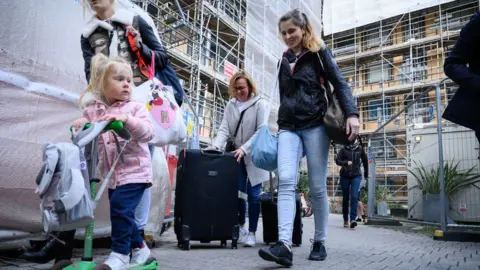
[252,89]
[100,68]
[310,40]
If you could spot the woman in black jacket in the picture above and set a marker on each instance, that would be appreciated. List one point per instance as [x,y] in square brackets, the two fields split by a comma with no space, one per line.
[304,97]
[351,157]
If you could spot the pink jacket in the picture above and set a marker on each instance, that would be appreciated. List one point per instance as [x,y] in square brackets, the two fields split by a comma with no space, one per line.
[137,163]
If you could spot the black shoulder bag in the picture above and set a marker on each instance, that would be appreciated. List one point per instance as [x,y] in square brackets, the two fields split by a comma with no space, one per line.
[231,141]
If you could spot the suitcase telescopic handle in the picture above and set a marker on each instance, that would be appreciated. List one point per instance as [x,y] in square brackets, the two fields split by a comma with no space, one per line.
[212,152]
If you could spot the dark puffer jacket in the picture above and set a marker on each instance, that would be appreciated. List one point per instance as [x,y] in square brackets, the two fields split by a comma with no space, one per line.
[357,156]
[305,91]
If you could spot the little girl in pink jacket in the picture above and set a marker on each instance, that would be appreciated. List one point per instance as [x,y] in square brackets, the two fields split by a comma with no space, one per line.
[108,99]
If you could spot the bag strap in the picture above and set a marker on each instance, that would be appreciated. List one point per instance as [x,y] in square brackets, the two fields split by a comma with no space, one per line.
[146,71]
[241,118]
[270,101]
[323,67]
[110,172]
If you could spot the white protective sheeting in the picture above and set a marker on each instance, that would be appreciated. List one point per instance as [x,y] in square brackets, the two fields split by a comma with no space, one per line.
[41,77]
[341,15]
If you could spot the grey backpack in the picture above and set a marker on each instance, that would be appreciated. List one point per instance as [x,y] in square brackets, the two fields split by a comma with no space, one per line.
[64,182]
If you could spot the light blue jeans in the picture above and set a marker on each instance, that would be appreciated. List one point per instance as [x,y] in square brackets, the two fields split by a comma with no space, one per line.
[314,143]
[143,209]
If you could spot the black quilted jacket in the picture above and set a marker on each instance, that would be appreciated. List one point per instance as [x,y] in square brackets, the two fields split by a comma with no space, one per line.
[305,91]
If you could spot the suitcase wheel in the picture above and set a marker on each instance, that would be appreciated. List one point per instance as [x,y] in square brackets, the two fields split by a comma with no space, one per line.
[224,243]
[234,244]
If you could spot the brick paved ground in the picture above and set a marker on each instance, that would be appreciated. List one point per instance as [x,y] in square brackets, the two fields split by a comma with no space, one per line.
[363,248]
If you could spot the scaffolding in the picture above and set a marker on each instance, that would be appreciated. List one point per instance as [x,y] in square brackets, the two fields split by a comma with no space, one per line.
[388,63]
[208,40]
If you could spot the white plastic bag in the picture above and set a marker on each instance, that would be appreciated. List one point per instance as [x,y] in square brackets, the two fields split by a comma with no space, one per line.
[166,115]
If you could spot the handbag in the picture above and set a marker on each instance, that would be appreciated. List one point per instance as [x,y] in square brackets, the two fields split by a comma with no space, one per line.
[166,115]
[230,146]
[334,119]
[265,145]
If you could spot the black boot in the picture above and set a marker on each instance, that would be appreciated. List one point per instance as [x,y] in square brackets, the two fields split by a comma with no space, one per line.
[53,249]
[66,251]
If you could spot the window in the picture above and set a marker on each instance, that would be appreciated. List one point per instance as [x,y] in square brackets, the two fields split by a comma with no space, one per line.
[376,109]
[415,29]
[420,112]
[374,74]
[372,38]
[344,44]
[383,147]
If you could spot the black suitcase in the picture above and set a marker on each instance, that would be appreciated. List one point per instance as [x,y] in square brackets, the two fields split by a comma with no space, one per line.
[270,219]
[206,198]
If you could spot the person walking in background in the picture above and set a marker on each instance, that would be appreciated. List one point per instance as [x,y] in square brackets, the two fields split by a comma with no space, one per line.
[463,67]
[360,207]
[305,70]
[243,116]
[351,157]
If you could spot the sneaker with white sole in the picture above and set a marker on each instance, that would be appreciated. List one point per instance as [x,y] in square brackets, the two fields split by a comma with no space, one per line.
[242,235]
[140,255]
[251,241]
[117,261]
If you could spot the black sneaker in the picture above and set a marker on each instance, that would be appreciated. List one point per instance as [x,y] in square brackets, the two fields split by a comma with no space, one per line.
[353,224]
[317,252]
[278,253]
[358,220]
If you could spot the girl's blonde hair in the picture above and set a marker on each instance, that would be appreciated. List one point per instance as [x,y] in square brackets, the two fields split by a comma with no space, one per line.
[310,40]
[100,68]
[242,75]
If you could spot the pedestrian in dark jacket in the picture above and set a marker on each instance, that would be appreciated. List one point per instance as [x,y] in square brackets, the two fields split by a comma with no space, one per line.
[304,97]
[351,157]
[463,67]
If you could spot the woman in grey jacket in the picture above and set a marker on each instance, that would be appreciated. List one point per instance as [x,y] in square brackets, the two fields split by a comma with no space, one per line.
[244,99]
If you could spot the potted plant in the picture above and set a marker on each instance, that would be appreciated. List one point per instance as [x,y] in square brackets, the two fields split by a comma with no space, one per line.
[382,194]
[428,181]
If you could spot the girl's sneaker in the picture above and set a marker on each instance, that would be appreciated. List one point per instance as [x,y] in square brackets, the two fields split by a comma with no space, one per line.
[117,261]
[250,242]
[242,235]
[140,255]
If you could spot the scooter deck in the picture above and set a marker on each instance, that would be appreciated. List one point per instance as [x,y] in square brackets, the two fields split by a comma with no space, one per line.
[91,266]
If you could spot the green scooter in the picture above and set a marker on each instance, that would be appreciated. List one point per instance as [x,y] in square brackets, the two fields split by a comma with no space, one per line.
[87,260]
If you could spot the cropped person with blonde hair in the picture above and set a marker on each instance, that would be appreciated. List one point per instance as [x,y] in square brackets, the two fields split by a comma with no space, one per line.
[306,70]
[243,116]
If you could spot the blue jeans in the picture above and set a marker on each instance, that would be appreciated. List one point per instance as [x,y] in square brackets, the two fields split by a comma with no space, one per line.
[123,201]
[350,187]
[253,194]
[143,208]
[315,143]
